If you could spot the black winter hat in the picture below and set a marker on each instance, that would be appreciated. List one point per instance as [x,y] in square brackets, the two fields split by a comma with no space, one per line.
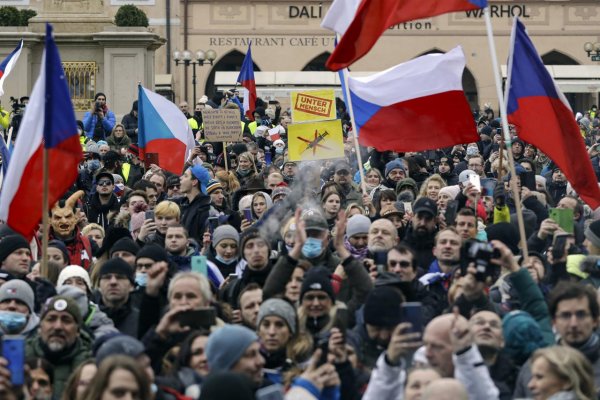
[317,278]
[153,252]
[59,244]
[251,233]
[125,244]
[117,266]
[226,385]
[12,243]
[506,233]
[486,130]
[382,307]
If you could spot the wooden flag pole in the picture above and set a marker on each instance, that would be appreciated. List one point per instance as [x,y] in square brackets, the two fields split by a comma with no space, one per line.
[45,225]
[363,184]
[507,138]
[225,156]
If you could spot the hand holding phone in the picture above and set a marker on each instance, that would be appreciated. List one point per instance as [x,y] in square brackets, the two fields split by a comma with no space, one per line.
[13,350]
[412,312]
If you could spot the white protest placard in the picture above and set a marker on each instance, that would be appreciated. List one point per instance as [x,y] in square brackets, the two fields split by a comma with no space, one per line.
[222,125]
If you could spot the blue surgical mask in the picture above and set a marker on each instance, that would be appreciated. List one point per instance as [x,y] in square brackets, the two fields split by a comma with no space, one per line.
[12,322]
[312,247]
[224,261]
[279,150]
[141,279]
[93,165]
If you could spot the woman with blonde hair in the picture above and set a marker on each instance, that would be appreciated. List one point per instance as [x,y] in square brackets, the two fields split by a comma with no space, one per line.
[431,187]
[246,169]
[118,140]
[561,373]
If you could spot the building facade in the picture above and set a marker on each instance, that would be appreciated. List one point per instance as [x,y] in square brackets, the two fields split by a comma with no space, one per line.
[289,47]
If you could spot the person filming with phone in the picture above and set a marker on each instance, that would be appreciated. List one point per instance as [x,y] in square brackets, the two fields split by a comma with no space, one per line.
[99,122]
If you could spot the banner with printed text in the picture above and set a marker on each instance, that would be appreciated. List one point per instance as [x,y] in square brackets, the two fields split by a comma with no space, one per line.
[313,105]
[316,141]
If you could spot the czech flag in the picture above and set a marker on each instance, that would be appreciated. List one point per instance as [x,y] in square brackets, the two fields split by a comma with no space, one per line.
[414,106]
[8,64]
[362,22]
[49,121]
[246,79]
[544,118]
[164,130]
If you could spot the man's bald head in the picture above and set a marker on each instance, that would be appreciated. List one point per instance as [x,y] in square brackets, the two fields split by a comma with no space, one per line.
[382,235]
[445,389]
[438,348]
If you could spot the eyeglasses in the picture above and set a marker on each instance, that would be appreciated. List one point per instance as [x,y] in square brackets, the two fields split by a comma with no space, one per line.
[174,187]
[567,316]
[402,264]
[144,266]
[342,173]
[104,182]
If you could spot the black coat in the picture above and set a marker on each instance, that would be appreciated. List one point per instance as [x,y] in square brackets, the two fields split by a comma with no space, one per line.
[195,216]
[97,213]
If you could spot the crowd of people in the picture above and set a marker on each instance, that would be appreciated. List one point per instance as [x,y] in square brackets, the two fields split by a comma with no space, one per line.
[249,275]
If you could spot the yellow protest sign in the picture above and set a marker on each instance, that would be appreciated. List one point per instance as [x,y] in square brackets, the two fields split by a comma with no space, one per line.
[315,141]
[313,105]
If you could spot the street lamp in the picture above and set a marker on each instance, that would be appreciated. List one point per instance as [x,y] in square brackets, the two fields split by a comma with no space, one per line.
[200,58]
[592,50]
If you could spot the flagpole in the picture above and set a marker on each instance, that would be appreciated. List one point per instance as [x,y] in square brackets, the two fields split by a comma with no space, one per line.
[225,156]
[345,73]
[44,264]
[507,138]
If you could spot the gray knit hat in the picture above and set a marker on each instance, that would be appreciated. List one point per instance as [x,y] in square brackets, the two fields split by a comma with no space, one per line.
[227,345]
[225,232]
[592,233]
[279,308]
[358,224]
[18,290]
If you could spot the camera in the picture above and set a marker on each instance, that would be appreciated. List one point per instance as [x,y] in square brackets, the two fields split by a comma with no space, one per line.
[474,251]
[98,106]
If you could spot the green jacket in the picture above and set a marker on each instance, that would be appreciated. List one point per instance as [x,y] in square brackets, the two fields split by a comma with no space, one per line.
[532,301]
[64,364]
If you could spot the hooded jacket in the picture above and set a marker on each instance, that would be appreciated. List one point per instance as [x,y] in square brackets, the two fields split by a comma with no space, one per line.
[98,212]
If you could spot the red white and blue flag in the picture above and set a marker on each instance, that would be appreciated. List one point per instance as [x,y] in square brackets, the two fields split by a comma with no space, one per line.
[362,22]
[164,130]
[8,64]
[414,106]
[246,79]
[543,117]
[48,122]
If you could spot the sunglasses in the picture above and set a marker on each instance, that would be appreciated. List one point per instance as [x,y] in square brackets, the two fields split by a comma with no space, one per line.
[402,264]
[104,182]
[174,186]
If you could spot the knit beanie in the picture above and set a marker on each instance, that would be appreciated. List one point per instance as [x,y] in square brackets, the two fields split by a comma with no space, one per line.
[281,189]
[225,232]
[249,234]
[397,163]
[60,303]
[10,244]
[592,233]
[227,385]
[522,336]
[117,266]
[279,308]
[382,307]
[317,278]
[202,175]
[451,191]
[506,233]
[227,345]
[358,224]
[153,252]
[212,186]
[120,345]
[58,244]
[78,296]
[17,289]
[125,244]
[73,271]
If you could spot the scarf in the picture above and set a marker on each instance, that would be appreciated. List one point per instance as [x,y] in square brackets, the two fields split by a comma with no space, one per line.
[591,348]
[359,254]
